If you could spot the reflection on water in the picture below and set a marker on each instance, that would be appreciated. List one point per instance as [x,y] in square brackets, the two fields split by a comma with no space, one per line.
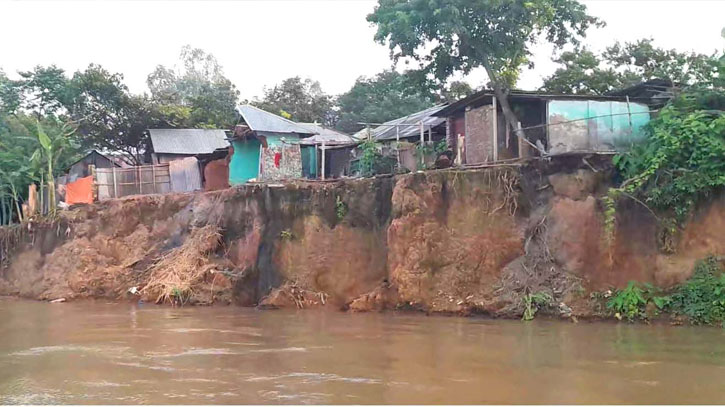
[93,352]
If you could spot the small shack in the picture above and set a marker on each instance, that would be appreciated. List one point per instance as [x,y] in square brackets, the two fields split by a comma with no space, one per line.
[175,144]
[328,148]
[266,147]
[79,169]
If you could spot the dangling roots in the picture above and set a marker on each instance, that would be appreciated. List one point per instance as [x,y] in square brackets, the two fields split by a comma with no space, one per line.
[175,274]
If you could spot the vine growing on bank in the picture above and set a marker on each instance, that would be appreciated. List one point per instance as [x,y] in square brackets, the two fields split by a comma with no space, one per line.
[680,164]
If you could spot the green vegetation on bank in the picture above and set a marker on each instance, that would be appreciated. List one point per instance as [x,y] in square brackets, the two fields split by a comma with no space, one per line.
[700,299]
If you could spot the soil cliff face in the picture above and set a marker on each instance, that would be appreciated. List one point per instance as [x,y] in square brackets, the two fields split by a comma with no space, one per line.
[462,242]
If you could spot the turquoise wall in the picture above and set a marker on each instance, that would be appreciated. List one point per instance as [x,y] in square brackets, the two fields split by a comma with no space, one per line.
[608,127]
[244,164]
[309,162]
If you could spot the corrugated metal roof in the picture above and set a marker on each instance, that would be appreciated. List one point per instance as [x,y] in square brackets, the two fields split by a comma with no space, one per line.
[388,132]
[260,120]
[187,141]
[324,134]
[521,95]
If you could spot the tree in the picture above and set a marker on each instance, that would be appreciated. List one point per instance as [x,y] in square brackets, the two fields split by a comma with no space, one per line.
[386,96]
[107,116]
[44,90]
[456,90]
[10,94]
[623,65]
[303,100]
[449,36]
[200,86]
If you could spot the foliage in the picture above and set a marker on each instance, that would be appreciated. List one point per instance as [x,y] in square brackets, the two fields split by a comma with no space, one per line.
[629,302]
[456,36]
[198,84]
[702,297]
[302,101]
[372,161]
[533,302]
[682,160]
[623,65]
[286,234]
[386,96]
[340,208]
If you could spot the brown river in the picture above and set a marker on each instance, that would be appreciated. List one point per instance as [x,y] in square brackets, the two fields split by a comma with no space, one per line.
[94,352]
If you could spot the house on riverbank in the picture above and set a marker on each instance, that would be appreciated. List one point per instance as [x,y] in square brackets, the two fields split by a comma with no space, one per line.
[553,124]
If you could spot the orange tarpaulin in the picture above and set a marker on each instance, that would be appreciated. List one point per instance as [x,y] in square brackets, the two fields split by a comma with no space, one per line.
[80,191]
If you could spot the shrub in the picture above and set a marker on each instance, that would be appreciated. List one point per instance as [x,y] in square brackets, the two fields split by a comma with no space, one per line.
[702,297]
[532,303]
[629,302]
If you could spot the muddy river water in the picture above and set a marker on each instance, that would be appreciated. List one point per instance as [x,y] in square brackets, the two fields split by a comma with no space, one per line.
[94,352]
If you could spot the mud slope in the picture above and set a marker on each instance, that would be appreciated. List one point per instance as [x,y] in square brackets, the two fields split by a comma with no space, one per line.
[450,241]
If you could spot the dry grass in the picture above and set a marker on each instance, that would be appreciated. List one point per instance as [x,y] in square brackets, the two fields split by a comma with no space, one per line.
[175,274]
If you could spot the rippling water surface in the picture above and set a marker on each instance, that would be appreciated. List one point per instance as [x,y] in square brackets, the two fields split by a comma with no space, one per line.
[93,352]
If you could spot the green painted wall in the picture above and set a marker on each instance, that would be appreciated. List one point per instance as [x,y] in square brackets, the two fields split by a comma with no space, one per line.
[608,127]
[244,164]
[309,162]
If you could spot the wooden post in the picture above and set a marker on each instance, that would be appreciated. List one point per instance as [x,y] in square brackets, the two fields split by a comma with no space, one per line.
[495,129]
[422,145]
[397,143]
[94,183]
[115,184]
[629,113]
[323,160]
[153,175]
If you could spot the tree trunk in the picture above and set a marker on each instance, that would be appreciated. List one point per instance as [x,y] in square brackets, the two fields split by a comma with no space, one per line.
[2,211]
[508,114]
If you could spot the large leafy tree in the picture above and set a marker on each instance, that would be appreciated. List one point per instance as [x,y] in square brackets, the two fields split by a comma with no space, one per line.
[108,117]
[44,90]
[622,65]
[386,96]
[301,100]
[199,86]
[449,36]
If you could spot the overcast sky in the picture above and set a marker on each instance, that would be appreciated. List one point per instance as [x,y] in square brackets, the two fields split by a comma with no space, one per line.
[263,42]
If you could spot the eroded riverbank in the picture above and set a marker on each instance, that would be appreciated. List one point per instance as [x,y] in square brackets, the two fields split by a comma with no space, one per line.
[93,352]
[455,242]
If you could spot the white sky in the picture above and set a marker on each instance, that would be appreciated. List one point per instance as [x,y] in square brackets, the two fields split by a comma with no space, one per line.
[263,42]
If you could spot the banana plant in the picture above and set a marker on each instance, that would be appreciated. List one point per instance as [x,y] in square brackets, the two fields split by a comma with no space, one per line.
[50,150]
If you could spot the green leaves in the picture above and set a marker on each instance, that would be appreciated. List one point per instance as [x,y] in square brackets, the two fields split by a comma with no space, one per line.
[682,161]
[629,302]
[473,33]
[44,139]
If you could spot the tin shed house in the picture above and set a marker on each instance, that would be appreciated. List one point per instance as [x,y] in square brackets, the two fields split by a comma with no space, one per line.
[553,124]
[266,147]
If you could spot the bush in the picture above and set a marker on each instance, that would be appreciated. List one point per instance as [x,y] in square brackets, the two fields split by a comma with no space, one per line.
[532,303]
[702,297]
[629,303]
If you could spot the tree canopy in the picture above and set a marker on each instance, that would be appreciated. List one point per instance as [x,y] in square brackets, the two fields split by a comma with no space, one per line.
[386,96]
[301,100]
[449,36]
[198,86]
[622,65]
